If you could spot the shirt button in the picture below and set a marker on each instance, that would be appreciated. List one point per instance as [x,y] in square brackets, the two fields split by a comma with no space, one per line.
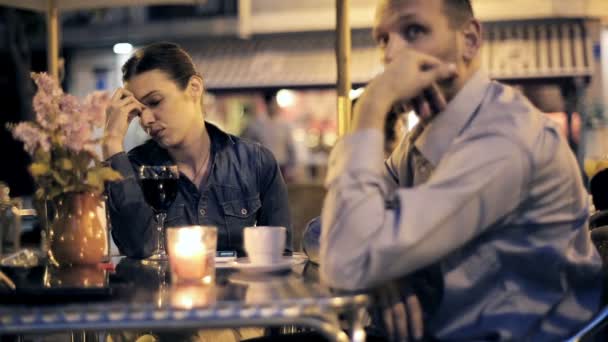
[203,212]
[244,211]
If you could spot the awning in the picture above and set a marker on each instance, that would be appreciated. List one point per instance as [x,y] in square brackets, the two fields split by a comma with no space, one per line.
[512,50]
[290,60]
[537,49]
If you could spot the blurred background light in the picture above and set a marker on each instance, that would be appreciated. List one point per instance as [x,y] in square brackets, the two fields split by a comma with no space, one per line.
[285,98]
[355,93]
[123,48]
[412,120]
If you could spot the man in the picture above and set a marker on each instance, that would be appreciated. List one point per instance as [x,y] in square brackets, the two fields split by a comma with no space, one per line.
[270,131]
[485,190]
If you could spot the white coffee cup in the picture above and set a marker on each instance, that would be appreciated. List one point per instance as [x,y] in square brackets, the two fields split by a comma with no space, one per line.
[264,244]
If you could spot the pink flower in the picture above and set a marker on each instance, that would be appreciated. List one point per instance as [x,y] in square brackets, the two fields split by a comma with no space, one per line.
[78,134]
[45,109]
[32,137]
[66,125]
[45,142]
[95,105]
[63,119]
[47,84]
[47,100]
[68,105]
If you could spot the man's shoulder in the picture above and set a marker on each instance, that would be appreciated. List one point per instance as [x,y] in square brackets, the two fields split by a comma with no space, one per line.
[507,112]
[505,102]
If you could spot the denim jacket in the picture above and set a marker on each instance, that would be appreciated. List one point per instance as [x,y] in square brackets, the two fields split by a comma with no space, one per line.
[244,188]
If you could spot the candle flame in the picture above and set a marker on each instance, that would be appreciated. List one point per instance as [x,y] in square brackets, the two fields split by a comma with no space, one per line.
[189,243]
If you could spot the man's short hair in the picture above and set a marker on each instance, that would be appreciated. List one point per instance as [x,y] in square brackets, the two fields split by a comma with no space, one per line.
[458,11]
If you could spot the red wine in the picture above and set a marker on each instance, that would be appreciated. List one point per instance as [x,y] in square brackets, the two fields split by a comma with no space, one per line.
[159,193]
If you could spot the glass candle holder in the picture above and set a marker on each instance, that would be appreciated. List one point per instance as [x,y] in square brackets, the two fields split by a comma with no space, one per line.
[192,296]
[192,254]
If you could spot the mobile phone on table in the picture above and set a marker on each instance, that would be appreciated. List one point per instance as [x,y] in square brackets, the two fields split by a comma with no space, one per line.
[225,256]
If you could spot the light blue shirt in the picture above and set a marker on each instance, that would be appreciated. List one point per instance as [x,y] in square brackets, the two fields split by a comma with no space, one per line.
[504,214]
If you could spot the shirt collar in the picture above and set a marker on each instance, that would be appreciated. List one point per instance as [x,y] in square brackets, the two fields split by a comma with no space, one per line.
[437,136]
[219,139]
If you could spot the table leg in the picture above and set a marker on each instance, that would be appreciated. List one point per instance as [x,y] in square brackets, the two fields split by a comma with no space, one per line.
[83,336]
[356,324]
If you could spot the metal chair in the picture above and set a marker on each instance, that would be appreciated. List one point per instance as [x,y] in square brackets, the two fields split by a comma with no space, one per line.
[598,224]
[305,201]
[599,236]
[598,219]
[597,324]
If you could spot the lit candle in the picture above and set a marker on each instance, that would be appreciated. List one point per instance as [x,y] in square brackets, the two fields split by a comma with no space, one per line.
[190,296]
[190,257]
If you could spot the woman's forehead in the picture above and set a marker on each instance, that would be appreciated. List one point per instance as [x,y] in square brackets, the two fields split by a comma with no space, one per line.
[148,81]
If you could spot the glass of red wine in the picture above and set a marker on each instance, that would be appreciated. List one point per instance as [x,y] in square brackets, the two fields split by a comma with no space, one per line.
[159,185]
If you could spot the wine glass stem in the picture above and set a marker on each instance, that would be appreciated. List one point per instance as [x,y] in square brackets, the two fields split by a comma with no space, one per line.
[160,219]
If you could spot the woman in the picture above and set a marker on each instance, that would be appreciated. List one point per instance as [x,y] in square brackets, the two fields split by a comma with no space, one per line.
[224,181]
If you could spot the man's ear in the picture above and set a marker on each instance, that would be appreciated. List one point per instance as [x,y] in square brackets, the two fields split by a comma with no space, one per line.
[196,86]
[472,39]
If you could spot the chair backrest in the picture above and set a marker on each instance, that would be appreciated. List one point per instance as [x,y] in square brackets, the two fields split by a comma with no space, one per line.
[598,219]
[598,224]
[599,236]
[305,203]
[597,324]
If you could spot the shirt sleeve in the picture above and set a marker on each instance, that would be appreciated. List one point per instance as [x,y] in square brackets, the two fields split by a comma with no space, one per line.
[132,222]
[365,241]
[273,195]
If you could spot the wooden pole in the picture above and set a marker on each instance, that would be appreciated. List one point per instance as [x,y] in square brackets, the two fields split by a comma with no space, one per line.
[244,19]
[52,22]
[343,49]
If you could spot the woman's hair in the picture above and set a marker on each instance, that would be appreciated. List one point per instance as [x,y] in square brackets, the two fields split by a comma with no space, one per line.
[167,57]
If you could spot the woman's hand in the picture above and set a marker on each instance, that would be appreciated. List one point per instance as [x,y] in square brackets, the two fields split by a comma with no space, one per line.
[122,109]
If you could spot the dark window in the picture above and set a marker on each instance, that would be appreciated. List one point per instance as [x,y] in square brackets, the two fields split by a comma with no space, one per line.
[207,9]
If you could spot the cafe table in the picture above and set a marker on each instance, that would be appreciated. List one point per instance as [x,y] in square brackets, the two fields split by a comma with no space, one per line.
[137,295]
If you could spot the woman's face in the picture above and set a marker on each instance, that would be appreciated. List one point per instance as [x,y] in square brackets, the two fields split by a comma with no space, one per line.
[170,113]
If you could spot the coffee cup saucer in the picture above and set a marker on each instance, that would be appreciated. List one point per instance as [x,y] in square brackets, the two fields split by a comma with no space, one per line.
[245,265]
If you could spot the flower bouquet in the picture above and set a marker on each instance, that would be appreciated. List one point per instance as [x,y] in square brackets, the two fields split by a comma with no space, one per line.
[67,168]
[62,142]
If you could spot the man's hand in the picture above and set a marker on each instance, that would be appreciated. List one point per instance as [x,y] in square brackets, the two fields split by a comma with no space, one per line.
[410,75]
[122,109]
[401,313]
[430,103]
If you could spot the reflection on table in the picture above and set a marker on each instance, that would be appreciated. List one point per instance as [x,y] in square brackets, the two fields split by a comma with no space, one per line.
[139,295]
